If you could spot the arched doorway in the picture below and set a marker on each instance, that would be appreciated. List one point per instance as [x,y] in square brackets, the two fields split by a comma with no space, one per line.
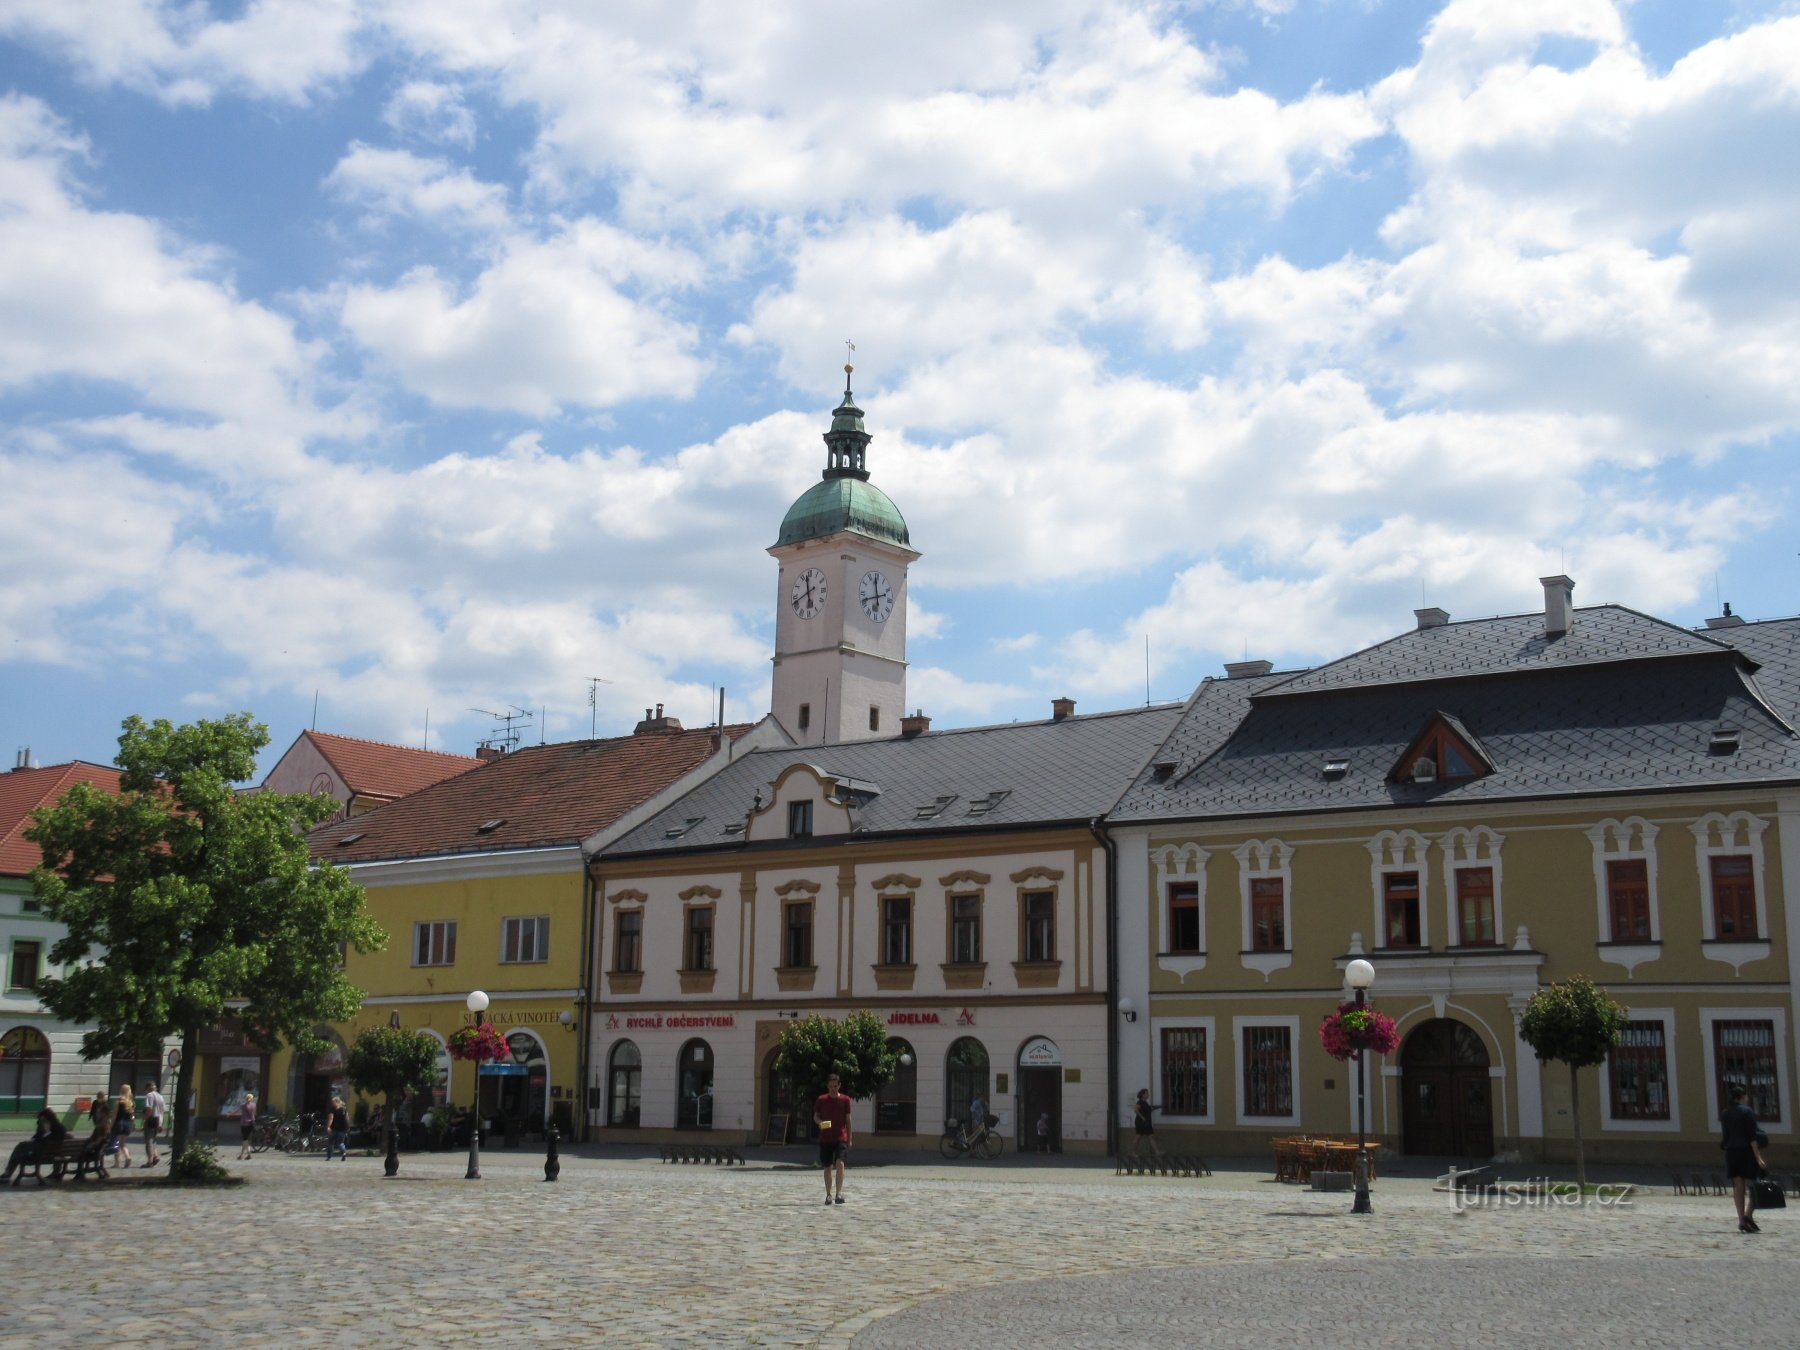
[516,1089]
[897,1100]
[694,1087]
[625,1086]
[782,1098]
[965,1078]
[1040,1095]
[1446,1091]
[313,1080]
[24,1071]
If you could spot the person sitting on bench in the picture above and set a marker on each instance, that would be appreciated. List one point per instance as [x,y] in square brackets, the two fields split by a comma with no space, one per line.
[49,1137]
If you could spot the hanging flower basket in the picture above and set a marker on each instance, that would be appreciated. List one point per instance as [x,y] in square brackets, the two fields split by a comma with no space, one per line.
[481,1043]
[1352,1029]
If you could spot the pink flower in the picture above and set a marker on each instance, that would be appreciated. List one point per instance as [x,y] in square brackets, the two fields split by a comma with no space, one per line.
[1352,1028]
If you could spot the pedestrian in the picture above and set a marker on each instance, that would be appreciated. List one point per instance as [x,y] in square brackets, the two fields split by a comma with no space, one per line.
[124,1122]
[156,1107]
[246,1124]
[831,1113]
[1143,1129]
[1743,1142]
[978,1114]
[101,1113]
[338,1140]
[1043,1132]
[49,1137]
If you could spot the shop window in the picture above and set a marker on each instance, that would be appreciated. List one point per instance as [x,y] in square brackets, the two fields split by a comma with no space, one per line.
[525,940]
[24,1071]
[965,1078]
[1744,1056]
[624,1086]
[896,1103]
[136,1069]
[1184,1071]
[628,941]
[1475,906]
[1184,917]
[1268,1071]
[965,929]
[25,966]
[1628,899]
[1400,900]
[896,930]
[434,943]
[1039,915]
[1638,1069]
[1733,897]
[1268,914]
[699,938]
[694,1103]
[797,936]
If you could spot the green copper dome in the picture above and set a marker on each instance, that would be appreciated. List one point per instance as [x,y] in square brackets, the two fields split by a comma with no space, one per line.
[845,499]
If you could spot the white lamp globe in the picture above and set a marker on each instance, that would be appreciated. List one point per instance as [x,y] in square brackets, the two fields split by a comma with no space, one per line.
[476,1002]
[1359,974]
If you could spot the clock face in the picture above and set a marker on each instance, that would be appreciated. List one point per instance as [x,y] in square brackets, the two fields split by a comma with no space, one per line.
[877,597]
[808,595]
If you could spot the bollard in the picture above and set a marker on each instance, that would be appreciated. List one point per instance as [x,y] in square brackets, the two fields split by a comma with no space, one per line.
[552,1162]
[392,1165]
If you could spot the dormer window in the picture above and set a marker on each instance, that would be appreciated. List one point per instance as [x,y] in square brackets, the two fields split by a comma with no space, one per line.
[489,826]
[800,820]
[934,808]
[1724,741]
[1444,751]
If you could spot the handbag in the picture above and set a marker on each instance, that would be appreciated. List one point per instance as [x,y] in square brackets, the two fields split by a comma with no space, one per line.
[1766,1194]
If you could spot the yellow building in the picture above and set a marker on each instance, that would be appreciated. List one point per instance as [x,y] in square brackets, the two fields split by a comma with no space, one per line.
[1478,809]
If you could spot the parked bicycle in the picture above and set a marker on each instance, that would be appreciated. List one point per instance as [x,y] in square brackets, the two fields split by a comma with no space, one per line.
[306,1134]
[960,1143]
[266,1133]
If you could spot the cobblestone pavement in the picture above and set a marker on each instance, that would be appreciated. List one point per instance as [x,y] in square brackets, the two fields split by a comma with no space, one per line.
[635,1253]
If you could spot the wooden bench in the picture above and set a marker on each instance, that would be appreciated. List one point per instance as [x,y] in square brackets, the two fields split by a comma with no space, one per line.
[77,1157]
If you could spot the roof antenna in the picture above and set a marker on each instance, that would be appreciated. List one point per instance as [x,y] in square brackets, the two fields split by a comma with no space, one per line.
[1146,670]
[427,744]
[594,683]
[315,725]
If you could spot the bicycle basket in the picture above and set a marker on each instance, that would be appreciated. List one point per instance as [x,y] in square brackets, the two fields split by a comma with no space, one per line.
[992,1121]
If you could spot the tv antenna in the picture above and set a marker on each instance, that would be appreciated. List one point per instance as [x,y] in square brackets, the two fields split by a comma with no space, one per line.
[594,683]
[506,732]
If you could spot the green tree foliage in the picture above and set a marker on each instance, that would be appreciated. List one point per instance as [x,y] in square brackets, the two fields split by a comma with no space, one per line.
[186,902]
[855,1049]
[1577,1023]
[391,1061]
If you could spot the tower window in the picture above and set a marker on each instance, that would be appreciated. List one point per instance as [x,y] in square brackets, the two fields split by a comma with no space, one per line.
[874,718]
[805,716]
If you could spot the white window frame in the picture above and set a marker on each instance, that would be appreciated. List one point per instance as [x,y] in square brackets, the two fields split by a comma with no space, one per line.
[1239,1025]
[541,939]
[1672,1125]
[1777,1018]
[1179,862]
[449,927]
[1400,851]
[1718,834]
[1260,859]
[1613,842]
[1206,1024]
[1466,847]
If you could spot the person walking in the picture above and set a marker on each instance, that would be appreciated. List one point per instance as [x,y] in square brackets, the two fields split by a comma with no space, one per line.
[49,1136]
[124,1122]
[246,1124]
[156,1108]
[1142,1127]
[831,1113]
[101,1113]
[338,1140]
[1743,1142]
[1043,1132]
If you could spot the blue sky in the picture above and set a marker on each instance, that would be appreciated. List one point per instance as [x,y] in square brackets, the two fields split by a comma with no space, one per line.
[424,357]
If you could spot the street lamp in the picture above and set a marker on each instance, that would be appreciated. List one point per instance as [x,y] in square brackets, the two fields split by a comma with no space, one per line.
[476,1003]
[1360,975]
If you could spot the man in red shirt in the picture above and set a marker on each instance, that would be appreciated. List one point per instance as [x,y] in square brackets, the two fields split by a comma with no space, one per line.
[831,1113]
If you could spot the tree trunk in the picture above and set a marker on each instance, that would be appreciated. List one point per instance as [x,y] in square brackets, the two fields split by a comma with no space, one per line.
[1580,1152]
[184,1084]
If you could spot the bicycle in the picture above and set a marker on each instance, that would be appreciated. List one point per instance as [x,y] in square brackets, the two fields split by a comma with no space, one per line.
[266,1133]
[305,1135]
[959,1143]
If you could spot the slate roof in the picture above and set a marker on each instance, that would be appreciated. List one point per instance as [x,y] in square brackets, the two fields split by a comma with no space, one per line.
[1641,718]
[1051,772]
[1774,645]
[375,769]
[542,795]
[22,791]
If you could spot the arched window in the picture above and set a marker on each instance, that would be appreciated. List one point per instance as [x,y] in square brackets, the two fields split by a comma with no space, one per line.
[694,1087]
[896,1104]
[965,1078]
[625,1086]
[24,1071]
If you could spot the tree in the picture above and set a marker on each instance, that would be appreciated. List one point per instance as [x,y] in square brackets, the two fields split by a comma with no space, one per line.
[856,1049]
[391,1061]
[1578,1023]
[186,901]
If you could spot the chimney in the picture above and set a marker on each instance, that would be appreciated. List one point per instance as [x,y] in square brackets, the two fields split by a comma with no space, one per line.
[1432,617]
[488,752]
[915,725]
[1725,620]
[1559,605]
[23,760]
[654,721]
[1061,709]
[1243,670]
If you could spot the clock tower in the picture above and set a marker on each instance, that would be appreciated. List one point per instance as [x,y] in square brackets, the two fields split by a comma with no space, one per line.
[840,599]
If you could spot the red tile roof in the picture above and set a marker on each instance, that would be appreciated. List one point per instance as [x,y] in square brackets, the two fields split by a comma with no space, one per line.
[542,795]
[24,790]
[373,769]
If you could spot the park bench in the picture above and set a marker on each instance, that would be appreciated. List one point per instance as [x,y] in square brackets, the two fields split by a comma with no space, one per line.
[80,1155]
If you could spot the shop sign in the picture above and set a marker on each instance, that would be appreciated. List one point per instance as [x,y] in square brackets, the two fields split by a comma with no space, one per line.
[516,1019]
[912,1019]
[678,1022]
[492,1070]
[965,1018]
[1040,1054]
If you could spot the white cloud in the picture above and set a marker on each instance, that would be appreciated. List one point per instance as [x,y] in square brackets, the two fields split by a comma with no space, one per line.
[431,111]
[398,183]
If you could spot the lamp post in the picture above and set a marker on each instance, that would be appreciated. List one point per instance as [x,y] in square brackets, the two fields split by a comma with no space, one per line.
[476,1003]
[1361,975]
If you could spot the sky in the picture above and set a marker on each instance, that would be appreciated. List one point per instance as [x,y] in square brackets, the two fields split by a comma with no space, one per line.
[391,363]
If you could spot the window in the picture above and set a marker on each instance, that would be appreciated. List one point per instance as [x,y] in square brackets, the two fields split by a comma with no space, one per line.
[1268,921]
[694,1101]
[625,1086]
[1638,1067]
[1733,897]
[628,942]
[1475,906]
[29,905]
[965,928]
[874,718]
[525,940]
[23,972]
[897,1102]
[896,930]
[1744,1055]
[1268,1072]
[1400,899]
[24,1071]
[1628,898]
[805,716]
[145,1066]
[1040,926]
[1184,916]
[799,820]
[1439,753]
[699,938]
[434,944]
[797,936]
[1184,1071]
